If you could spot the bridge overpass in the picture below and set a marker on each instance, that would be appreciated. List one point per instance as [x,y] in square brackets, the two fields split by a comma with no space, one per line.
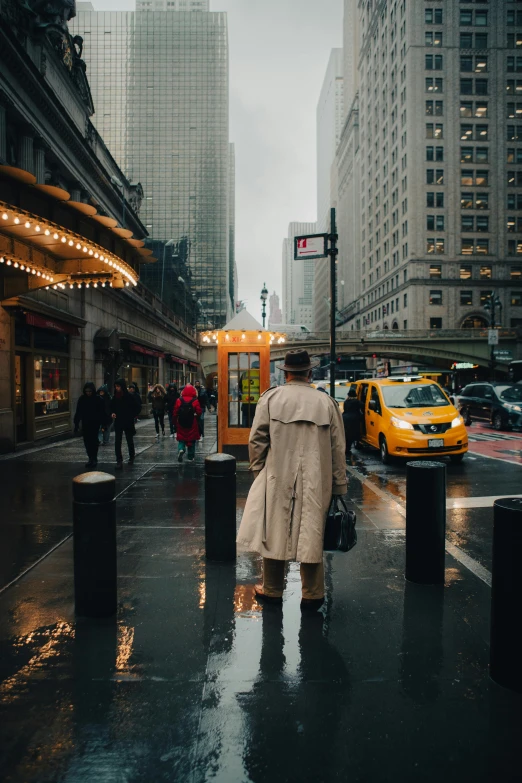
[435,347]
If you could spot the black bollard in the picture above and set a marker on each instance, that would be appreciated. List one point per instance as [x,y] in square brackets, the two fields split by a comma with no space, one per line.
[94,533]
[506,594]
[425,522]
[220,507]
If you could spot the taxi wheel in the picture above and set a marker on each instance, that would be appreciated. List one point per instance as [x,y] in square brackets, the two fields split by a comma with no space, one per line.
[385,456]
[456,459]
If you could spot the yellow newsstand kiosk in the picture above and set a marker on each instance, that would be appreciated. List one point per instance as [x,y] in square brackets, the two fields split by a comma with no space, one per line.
[243,360]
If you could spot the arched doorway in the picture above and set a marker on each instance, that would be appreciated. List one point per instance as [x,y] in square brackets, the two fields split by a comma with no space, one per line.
[475,322]
[385,328]
[395,326]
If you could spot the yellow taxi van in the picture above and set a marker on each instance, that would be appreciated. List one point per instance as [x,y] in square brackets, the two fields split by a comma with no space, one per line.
[410,417]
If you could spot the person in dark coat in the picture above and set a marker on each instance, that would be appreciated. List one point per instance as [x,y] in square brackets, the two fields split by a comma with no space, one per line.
[133,389]
[351,420]
[124,409]
[203,401]
[171,399]
[90,413]
[105,430]
[158,400]
[186,412]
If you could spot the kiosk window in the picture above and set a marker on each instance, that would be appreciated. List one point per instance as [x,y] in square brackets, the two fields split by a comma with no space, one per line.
[243,388]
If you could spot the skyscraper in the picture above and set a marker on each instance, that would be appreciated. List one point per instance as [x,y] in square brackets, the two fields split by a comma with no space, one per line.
[436,130]
[159,80]
[330,116]
[298,279]
[275,316]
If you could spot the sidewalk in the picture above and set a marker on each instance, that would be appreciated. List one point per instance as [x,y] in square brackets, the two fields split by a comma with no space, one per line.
[194,681]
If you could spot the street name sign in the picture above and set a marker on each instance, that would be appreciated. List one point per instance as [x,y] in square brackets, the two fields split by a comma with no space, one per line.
[492,336]
[502,353]
[310,246]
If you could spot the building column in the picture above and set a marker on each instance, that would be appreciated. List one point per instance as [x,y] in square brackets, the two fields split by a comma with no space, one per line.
[76,194]
[39,165]
[3,134]
[25,153]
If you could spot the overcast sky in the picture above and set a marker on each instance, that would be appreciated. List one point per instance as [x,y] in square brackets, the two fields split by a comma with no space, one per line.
[279,51]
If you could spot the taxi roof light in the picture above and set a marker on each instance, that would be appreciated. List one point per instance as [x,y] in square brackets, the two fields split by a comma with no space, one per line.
[406,378]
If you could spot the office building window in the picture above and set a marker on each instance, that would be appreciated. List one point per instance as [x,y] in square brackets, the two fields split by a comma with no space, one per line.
[514,247]
[466,200]
[466,298]
[485,272]
[466,88]
[474,132]
[514,87]
[466,63]
[466,40]
[434,85]
[467,223]
[516,272]
[466,154]
[465,272]
[514,224]
[474,246]
[514,133]
[432,38]
[514,201]
[435,222]
[481,200]
[516,298]
[514,111]
[514,64]
[433,62]
[514,155]
[435,323]
[514,40]
[514,179]
[434,199]
[433,15]
[484,296]
[466,18]
[434,246]
[435,297]
[483,223]
[435,271]
[514,18]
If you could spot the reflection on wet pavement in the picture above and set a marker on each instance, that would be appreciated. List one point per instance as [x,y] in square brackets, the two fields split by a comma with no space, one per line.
[194,681]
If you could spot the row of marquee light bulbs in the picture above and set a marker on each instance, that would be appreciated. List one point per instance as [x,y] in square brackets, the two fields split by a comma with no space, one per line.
[210,337]
[90,249]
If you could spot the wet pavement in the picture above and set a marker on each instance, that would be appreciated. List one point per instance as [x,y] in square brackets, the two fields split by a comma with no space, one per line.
[195,681]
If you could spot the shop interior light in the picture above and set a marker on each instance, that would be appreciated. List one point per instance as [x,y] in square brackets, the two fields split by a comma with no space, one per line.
[27,224]
[4,216]
[71,243]
[8,262]
[37,229]
[64,240]
[78,246]
[55,235]
[47,232]
[2,259]
[15,264]
[17,220]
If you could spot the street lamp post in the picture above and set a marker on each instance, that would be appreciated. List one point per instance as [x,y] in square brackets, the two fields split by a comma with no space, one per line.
[492,306]
[264,297]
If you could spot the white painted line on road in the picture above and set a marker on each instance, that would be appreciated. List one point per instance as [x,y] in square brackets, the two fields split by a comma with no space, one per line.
[468,562]
[479,502]
[472,565]
[498,459]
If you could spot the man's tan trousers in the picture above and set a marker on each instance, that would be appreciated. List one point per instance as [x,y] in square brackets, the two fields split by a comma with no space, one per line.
[312,578]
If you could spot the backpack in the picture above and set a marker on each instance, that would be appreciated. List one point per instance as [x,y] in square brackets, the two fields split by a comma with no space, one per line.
[186,415]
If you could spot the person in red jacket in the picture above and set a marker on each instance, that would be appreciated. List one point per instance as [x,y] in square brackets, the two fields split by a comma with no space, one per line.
[186,412]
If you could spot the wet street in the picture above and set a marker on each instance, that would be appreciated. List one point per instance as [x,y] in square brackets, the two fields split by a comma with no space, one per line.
[195,681]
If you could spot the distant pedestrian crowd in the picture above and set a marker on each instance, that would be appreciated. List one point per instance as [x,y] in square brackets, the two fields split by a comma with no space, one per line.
[98,414]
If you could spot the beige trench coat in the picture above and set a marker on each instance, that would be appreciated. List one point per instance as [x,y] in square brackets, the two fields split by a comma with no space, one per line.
[297,449]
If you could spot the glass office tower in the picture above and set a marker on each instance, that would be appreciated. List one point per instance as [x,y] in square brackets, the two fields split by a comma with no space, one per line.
[159,80]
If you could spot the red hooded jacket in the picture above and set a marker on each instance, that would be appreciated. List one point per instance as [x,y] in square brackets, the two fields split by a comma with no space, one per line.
[188,435]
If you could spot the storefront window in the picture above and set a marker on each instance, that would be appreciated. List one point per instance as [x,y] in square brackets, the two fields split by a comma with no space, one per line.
[51,385]
[243,388]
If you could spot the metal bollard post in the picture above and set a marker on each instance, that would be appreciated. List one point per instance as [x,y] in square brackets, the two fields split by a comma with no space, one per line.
[220,507]
[506,594]
[425,522]
[94,536]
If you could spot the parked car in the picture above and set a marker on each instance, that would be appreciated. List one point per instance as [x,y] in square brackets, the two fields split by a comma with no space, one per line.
[411,416]
[498,403]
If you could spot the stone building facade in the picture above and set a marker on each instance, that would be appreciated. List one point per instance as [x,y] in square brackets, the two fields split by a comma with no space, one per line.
[71,242]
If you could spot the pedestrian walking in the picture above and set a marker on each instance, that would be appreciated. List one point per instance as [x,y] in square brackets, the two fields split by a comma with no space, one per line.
[186,412]
[105,430]
[297,455]
[172,397]
[158,400]
[212,400]
[133,389]
[90,414]
[351,420]
[203,401]
[125,406]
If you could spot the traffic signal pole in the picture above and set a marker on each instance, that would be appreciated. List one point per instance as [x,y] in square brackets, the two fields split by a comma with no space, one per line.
[332,252]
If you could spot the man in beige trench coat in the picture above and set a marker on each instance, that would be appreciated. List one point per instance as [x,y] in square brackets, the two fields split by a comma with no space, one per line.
[297,454]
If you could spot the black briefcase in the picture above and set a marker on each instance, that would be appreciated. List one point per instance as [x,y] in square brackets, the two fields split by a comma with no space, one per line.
[339,534]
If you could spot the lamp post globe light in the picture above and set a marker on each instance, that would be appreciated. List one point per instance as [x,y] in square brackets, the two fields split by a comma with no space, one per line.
[264,297]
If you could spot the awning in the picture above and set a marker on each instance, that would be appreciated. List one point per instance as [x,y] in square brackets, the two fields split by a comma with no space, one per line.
[49,323]
[195,365]
[147,351]
[177,359]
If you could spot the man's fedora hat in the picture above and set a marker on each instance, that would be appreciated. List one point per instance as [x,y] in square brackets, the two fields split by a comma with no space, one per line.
[297,360]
